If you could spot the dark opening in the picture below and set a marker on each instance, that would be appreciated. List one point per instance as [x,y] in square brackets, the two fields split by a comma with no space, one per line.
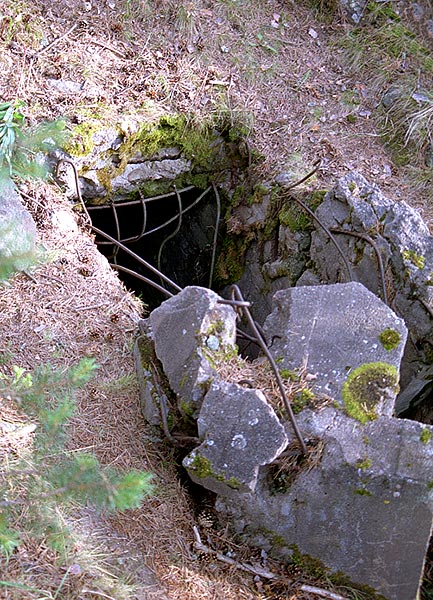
[175,232]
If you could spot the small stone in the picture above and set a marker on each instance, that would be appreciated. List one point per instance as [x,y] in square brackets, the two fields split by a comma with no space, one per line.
[391,96]
[284,179]
[417,11]
[65,86]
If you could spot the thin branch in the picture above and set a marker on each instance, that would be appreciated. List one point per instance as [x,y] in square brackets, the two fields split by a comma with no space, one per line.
[256,570]
[77,184]
[322,593]
[259,571]
[317,164]
[113,50]
[327,231]
[236,291]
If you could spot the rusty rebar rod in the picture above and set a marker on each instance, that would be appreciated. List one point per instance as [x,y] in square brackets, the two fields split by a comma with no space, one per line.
[236,292]
[369,240]
[142,278]
[215,236]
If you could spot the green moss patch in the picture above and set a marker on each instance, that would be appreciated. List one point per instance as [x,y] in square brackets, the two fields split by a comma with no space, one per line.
[414,258]
[390,338]
[363,389]
[426,436]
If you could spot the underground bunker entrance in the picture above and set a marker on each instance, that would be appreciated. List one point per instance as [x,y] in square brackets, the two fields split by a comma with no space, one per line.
[175,233]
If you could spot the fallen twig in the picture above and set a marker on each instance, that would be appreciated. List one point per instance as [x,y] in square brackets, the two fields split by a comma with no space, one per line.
[307,209]
[113,50]
[316,166]
[53,43]
[323,593]
[327,231]
[256,570]
[259,571]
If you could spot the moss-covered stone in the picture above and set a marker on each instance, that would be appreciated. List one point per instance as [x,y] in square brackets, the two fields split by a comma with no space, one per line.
[363,389]
[81,141]
[231,259]
[201,466]
[293,216]
[390,338]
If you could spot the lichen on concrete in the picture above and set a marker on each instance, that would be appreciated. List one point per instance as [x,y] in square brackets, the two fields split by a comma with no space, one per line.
[390,338]
[365,387]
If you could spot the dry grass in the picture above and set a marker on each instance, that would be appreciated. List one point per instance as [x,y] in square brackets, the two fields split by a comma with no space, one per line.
[258,374]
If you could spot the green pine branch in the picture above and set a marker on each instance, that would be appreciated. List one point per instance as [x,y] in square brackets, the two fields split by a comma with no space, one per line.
[31,490]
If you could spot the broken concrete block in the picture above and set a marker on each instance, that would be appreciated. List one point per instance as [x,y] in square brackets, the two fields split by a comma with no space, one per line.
[346,337]
[364,508]
[186,330]
[149,390]
[240,433]
[397,232]
[361,501]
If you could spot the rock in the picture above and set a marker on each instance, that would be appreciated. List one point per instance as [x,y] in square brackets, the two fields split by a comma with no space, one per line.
[138,173]
[363,493]
[253,216]
[183,330]
[417,11]
[65,86]
[391,96]
[339,333]
[17,231]
[354,9]
[146,368]
[363,507]
[419,389]
[240,433]
[405,246]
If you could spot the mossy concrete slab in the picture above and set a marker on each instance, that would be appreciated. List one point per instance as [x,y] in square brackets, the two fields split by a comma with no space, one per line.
[341,334]
[240,432]
[185,330]
[397,233]
[364,511]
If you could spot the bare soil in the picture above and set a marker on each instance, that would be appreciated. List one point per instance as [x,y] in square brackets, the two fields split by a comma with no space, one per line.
[272,65]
